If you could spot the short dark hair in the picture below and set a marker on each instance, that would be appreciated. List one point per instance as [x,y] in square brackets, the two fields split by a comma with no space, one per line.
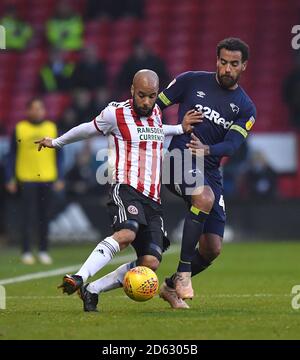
[32,100]
[234,44]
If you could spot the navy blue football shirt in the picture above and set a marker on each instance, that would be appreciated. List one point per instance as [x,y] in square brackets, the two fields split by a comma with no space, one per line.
[228,114]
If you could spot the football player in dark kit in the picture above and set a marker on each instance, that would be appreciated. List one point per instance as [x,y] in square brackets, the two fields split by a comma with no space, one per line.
[228,116]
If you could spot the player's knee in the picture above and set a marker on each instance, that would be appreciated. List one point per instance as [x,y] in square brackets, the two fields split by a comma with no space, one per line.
[204,200]
[126,233]
[124,237]
[132,225]
[212,253]
[150,261]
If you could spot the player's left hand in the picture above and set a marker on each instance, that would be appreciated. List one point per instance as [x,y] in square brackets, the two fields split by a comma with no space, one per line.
[196,147]
[191,118]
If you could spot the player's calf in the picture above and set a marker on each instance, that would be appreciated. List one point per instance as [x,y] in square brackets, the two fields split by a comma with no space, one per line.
[210,246]
[105,251]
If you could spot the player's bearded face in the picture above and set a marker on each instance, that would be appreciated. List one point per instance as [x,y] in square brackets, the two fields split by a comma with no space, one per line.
[144,103]
[229,68]
[227,81]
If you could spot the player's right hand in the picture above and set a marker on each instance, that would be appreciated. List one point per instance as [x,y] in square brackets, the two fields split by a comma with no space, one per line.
[46,142]
[191,118]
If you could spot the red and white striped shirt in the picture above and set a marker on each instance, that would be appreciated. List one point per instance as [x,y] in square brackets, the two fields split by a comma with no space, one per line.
[137,143]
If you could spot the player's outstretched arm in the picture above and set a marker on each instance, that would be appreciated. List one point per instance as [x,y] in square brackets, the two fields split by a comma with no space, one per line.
[191,118]
[80,132]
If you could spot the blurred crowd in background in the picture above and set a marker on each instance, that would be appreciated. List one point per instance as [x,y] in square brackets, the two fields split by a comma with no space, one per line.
[79,55]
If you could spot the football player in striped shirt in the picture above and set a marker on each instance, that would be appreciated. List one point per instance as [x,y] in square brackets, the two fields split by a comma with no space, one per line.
[136,136]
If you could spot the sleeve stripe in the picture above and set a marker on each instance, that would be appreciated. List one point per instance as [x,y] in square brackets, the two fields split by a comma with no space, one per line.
[239,129]
[96,126]
[162,97]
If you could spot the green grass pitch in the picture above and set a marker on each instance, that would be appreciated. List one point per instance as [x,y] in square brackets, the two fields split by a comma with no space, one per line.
[246,294]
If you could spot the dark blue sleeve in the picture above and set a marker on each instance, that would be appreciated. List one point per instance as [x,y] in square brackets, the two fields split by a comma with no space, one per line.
[237,133]
[174,93]
[10,163]
[232,141]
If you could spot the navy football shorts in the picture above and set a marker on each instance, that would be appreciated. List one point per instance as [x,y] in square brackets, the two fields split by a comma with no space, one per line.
[215,222]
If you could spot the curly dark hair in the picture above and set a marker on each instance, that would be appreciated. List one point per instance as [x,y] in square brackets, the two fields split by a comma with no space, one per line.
[234,44]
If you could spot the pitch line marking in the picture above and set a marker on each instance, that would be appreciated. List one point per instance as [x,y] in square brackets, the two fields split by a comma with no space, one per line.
[68,269]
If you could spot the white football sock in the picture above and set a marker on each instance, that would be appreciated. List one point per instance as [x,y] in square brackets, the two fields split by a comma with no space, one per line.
[101,255]
[112,280]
